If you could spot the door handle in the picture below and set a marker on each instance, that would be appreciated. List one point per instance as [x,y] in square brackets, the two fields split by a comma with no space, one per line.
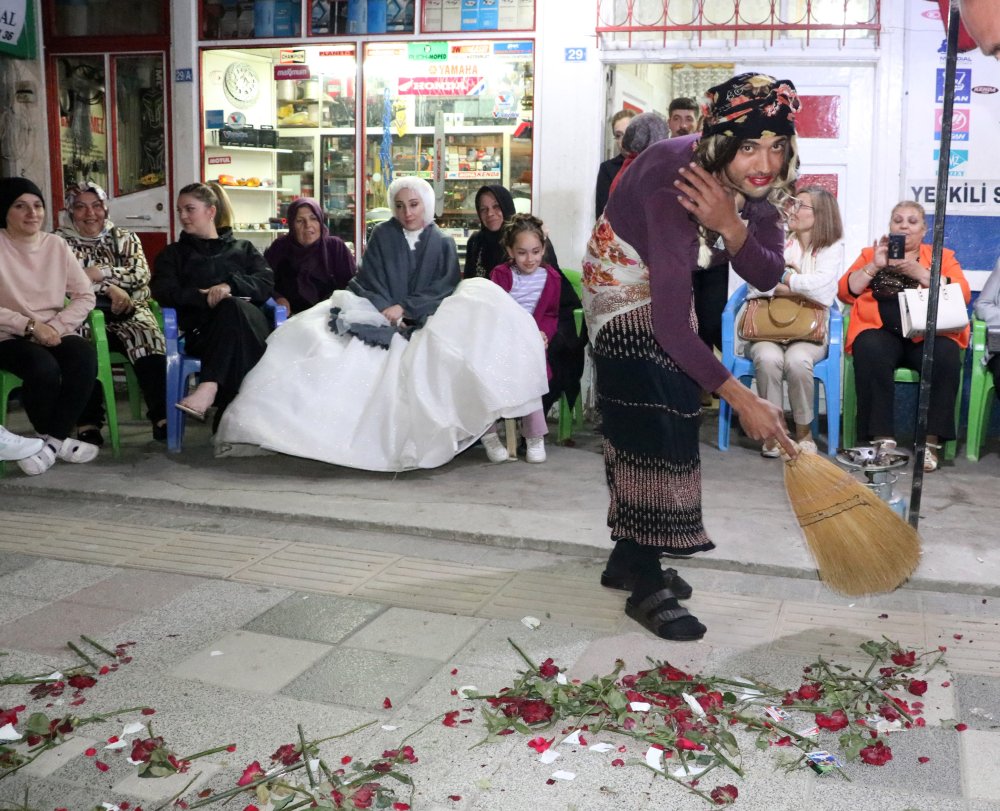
[138,217]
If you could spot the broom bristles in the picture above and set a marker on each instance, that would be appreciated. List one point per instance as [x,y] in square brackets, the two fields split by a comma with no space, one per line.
[860,545]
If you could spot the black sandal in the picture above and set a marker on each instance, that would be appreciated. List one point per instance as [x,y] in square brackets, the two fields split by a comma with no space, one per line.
[626,582]
[660,614]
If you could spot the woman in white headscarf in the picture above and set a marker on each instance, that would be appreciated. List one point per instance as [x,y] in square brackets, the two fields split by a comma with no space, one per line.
[399,371]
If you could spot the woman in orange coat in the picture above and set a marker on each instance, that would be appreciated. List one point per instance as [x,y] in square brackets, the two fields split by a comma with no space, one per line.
[875,336]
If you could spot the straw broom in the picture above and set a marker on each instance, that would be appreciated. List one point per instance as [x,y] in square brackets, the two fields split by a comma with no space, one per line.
[860,545]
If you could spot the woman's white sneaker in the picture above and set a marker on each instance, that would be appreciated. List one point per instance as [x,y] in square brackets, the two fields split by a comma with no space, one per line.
[38,463]
[536,450]
[496,451]
[14,447]
[76,451]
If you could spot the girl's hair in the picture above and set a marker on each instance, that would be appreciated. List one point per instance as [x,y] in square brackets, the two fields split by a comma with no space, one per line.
[910,204]
[828,228]
[517,225]
[212,194]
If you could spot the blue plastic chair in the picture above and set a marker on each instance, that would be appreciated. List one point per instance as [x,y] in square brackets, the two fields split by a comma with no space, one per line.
[827,372]
[181,367]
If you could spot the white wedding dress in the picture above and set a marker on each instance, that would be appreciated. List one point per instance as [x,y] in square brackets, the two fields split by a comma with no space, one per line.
[416,404]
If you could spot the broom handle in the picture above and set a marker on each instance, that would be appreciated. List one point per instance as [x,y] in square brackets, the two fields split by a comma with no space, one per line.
[940,203]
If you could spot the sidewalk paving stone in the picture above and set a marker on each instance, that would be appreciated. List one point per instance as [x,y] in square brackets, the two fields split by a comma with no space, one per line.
[249,661]
[315,617]
[980,755]
[407,631]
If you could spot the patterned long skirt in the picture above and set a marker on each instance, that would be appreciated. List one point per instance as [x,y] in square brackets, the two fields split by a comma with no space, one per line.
[651,414]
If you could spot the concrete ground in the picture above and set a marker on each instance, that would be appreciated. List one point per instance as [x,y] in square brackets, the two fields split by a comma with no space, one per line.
[267,592]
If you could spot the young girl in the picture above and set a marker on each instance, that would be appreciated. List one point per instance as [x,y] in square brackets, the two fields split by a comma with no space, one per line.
[535,286]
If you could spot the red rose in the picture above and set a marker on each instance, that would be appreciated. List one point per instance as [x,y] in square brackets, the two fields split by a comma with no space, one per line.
[878,754]
[917,687]
[252,773]
[833,722]
[287,754]
[547,669]
[535,711]
[724,795]
[670,673]
[363,796]
[710,701]
[810,692]
[905,658]
[10,716]
[81,682]
[687,744]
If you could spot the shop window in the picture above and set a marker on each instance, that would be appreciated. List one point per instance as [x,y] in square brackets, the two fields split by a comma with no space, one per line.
[361,17]
[250,19]
[483,92]
[99,18]
[139,123]
[484,15]
[83,123]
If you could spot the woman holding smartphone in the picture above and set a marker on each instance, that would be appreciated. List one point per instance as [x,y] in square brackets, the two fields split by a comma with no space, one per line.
[875,335]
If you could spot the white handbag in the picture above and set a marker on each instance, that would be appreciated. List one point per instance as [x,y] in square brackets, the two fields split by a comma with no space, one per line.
[951,314]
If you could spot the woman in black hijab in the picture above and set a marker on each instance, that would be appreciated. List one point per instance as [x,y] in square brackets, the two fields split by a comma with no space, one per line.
[495,207]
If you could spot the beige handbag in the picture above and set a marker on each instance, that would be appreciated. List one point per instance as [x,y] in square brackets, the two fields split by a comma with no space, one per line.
[783,320]
[951,315]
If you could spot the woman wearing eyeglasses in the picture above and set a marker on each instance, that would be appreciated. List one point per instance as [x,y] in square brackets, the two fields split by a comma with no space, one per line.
[814,257]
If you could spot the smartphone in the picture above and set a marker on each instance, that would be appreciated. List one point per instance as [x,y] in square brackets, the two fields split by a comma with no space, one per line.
[897,246]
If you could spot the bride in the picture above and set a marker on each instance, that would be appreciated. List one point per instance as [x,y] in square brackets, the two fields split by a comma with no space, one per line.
[399,371]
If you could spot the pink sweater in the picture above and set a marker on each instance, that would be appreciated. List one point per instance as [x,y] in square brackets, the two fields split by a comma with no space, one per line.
[35,281]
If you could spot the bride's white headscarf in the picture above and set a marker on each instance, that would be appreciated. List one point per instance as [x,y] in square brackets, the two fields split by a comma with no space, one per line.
[421,188]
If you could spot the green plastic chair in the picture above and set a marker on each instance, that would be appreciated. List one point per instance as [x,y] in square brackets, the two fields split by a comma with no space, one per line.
[105,377]
[982,393]
[850,406]
[8,383]
[571,419]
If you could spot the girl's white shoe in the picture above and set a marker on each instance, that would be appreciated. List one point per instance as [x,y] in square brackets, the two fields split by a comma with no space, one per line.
[496,451]
[536,450]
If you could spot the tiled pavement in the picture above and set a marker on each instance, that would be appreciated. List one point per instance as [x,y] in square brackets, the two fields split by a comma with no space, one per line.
[239,637]
[262,594]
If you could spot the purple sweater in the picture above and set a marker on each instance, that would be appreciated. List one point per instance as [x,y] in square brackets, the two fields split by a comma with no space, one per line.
[643,211]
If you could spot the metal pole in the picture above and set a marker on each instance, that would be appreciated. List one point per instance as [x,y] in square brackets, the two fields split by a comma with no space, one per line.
[940,203]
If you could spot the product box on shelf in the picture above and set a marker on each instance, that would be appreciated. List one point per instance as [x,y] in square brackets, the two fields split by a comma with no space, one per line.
[244,136]
[432,15]
[451,15]
[267,136]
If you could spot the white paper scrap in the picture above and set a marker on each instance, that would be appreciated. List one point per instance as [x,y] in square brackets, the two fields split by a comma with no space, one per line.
[563,775]
[119,744]
[573,739]
[549,756]
[135,762]
[531,622]
[809,732]
[602,747]
[57,676]
[8,733]
[389,727]
[111,807]
[749,691]
[133,729]
[561,678]
[463,692]
[654,758]
[639,706]
[692,702]
[216,653]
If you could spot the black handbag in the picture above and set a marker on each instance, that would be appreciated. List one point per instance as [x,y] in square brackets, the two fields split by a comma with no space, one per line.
[104,305]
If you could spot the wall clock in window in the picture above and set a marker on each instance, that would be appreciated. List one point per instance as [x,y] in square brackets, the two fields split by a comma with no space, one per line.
[241,84]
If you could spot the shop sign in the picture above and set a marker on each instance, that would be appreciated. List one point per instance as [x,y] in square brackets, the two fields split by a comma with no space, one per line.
[17,28]
[442,86]
[471,49]
[436,51]
[283,72]
[219,159]
[506,48]
[349,51]
[292,56]
[474,174]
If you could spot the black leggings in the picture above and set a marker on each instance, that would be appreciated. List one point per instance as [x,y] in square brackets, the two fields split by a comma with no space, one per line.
[994,366]
[710,288]
[150,371]
[57,380]
[877,355]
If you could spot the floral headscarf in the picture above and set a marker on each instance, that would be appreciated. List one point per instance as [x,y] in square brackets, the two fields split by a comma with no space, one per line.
[73,193]
[752,105]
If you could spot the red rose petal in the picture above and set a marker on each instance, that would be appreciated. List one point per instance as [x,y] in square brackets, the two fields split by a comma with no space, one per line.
[386,703]
[617,762]
[454,671]
[104,672]
[961,727]
[231,747]
[113,739]
[956,636]
[400,807]
[251,808]
[923,759]
[946,684]
[148,711]
[346,759]
[454,797]
[101,765]
[90,752]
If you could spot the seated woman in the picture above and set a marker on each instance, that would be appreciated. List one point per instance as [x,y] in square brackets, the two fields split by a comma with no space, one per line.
[308,262]
[218,285]
[114,261]
[407,372]
[495,207]
[38,272]
[875,336]
[987,309]
[814,260]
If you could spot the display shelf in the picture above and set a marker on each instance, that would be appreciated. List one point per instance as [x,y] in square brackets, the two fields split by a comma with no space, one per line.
[272,189]
[232,148]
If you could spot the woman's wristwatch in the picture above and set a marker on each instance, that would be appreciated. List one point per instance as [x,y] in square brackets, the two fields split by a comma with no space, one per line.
[29,328]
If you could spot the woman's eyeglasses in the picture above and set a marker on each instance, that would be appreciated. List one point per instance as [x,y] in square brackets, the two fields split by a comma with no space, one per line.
[795,205]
